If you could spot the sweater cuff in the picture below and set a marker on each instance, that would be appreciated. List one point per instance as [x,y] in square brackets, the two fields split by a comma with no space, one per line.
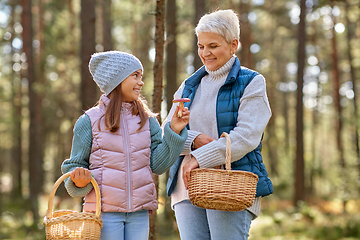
[75,191]
[190,139]
[209,156]
[171,137]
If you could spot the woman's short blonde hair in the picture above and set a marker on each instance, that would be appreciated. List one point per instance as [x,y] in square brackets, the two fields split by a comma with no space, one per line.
[222,22]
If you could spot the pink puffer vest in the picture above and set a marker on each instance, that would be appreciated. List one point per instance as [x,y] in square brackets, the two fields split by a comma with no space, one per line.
[120,163]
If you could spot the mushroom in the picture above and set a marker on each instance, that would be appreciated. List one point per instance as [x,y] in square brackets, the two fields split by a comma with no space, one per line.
[181,104]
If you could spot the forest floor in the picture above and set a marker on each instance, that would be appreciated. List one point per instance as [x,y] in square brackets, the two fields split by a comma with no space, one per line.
[278,220]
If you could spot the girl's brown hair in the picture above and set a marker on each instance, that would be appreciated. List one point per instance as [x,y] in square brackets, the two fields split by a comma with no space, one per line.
[113,110]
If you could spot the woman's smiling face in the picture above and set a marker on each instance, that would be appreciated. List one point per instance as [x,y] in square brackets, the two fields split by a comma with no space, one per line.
[214,50]
[131,86]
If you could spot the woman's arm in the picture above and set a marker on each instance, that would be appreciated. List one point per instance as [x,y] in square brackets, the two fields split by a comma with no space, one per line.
[80,154]
[254,114]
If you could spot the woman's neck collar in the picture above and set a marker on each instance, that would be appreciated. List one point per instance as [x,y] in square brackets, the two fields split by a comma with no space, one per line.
[223,70]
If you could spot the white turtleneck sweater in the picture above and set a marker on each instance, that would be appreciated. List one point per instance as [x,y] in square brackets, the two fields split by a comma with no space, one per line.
[254,114]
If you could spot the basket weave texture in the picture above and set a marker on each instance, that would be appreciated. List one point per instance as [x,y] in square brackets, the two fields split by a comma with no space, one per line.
[68,224]
[223,190]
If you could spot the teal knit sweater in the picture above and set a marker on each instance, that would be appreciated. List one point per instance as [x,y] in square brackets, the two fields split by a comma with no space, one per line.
[164,150]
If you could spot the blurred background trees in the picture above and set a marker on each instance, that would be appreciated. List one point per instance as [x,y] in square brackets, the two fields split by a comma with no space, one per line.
[308,51]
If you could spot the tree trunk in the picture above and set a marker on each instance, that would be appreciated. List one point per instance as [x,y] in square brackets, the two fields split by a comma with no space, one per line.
[35,134]
[286,108]
[199,12]
[158,86]
[17,119]
[17,137]
[279,71]
[354,87]
[171,52]
[245,35]
[271,139]
[171,74]
[285,96]
[71,50]
[299,159]
[315,167]
[1,193]
[159,56]
[107,25]
[39,61]
[89,93]
[338,109]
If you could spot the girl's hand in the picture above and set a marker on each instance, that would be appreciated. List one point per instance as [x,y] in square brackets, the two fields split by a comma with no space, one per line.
[192,164]
[178,123]
[81,176]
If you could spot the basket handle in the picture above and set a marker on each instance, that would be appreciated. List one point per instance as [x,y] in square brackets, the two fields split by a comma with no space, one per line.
[228,151]
[57,184]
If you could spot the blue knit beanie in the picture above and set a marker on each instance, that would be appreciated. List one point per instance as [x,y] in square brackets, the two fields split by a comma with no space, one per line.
[110,68]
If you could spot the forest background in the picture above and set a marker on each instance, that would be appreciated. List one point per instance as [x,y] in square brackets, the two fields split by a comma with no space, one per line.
[308,51]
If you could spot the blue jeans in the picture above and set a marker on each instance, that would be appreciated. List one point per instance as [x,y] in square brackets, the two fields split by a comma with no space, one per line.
[125,226]
[196,223]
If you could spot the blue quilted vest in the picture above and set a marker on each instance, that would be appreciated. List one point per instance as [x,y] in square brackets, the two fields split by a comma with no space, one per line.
[227,107]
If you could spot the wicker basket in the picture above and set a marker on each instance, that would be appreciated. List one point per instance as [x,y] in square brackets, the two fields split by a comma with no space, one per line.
[68,224]
[224,190]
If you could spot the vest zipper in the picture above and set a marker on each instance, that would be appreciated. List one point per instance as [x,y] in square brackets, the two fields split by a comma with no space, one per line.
[127,158]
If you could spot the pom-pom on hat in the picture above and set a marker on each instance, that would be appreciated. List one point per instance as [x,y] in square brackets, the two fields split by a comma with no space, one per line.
[110,68]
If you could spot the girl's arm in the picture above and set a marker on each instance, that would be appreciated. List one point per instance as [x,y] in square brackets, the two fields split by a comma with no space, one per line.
[191,133]
[80,154]
[164,150]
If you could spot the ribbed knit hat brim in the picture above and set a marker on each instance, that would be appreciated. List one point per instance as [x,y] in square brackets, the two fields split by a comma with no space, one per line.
[110,68]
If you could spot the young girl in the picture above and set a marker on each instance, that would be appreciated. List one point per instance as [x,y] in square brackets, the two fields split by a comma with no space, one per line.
[120,143]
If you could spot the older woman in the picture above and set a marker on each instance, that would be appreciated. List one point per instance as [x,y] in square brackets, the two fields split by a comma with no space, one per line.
[225,97]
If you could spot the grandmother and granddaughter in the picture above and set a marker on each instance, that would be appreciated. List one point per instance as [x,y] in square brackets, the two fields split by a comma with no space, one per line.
[120,143]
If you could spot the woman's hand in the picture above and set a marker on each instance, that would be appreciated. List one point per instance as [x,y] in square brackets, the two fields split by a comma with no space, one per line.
[192,164]
[81,176]
[201,140]
[178,123]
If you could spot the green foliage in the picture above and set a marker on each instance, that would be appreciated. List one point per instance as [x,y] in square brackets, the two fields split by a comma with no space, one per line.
[306,222]
[16,221]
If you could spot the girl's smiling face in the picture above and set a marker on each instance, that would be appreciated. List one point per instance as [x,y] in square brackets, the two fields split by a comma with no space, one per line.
[131,86]
[214,50]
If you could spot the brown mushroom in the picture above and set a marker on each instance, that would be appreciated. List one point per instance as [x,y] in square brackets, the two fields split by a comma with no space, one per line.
[181,104]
